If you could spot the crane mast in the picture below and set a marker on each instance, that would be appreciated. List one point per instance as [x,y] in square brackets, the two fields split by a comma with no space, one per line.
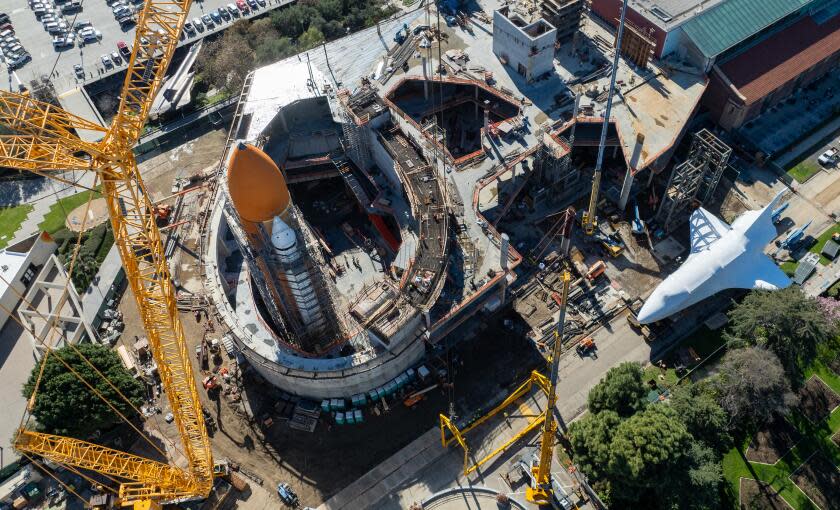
[590,220]
[540,491]
[45,141]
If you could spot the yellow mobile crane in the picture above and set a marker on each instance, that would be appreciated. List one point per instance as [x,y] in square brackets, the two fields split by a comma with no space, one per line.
[540,489]
[45,141]
[589,220]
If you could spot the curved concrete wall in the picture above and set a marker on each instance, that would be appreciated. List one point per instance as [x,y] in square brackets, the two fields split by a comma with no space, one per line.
[345,376]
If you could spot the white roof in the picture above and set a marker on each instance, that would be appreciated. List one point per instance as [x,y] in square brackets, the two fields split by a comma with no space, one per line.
[276,86]
[10,264]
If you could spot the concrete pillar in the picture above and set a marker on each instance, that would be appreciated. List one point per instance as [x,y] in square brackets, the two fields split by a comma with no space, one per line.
[505,248]
[427,319]
[425,77]
[615,151]
[503,262]
[625,189]
[487,118]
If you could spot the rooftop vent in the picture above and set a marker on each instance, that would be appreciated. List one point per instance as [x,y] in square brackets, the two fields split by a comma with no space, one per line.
[661,14]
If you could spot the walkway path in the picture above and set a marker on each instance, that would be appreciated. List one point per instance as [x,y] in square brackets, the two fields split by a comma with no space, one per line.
[43,195]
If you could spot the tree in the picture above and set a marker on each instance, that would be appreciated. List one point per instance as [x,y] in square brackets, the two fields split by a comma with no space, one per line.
[697,483]
[311,38]
[293,21]
[65,405]
[225,62]
[646,452]
[697,407]
[330,9]
[621,390]
[786,321]
[271,50]
[590,438]
[753,387]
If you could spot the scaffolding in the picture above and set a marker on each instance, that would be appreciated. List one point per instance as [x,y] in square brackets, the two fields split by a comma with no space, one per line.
[353,126]
[693,181]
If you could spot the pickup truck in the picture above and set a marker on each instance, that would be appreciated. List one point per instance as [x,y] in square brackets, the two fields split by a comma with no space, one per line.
[829,157]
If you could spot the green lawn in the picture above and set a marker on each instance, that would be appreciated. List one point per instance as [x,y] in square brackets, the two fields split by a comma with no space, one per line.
[815,437]
[825,236]
[10,220]
[789,267]
[56,216]
[804,170]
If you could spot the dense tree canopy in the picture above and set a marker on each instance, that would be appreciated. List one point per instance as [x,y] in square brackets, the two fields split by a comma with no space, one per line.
[621,390]
[753,386]
[65,405]
[698,408]
[646,450]
[225,61]
[787,322]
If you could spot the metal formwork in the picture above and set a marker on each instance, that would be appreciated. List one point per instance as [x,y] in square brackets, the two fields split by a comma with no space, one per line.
[694,180]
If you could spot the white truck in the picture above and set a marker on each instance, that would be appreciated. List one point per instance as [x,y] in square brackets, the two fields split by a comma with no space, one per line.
[829,157]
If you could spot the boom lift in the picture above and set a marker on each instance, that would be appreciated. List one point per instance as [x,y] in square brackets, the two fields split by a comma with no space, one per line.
[590,219]
[45,140]
[539,491]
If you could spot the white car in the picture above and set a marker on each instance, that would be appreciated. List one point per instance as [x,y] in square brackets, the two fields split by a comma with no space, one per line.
[829,157]
[106,61]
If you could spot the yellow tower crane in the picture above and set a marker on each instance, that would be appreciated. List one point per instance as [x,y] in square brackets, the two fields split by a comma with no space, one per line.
[589,221]
[540,490]
[45,140]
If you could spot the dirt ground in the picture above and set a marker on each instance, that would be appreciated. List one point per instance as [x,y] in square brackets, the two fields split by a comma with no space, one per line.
[820,480]
[96,215]
[817,400]
[773,442]
[760,496]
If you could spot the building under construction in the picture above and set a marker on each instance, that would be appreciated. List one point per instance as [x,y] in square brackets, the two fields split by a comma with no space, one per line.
[357,226]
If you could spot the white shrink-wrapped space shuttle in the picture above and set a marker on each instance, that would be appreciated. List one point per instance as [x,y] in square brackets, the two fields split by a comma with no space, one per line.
[722,257]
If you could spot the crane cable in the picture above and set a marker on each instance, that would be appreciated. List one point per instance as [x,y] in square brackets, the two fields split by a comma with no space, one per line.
[75,349]
[92,482]
[57,479]
[51,323]
[54,329]
[27,415]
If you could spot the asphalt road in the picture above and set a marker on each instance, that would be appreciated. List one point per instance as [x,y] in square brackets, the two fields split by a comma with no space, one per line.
[45,58]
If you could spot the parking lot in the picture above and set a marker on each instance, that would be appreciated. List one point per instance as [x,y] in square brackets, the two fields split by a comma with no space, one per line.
[35,39]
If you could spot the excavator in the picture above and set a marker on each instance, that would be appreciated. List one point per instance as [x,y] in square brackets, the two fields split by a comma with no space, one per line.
[45,141]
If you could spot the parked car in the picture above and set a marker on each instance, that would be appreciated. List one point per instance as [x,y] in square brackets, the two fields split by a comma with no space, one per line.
[242,6]
[208,21]
[19,61]
[198,24]
[106,61]
[116,58]
[124,49]
[189,28]
[78,25]
[232,10]
[224,13]
[4,18]
[90,34]
[253,4]
[261,2]
[79,71]
[63,41]
[829,157]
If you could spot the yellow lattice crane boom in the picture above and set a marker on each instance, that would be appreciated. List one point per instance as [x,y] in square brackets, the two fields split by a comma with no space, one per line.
[45,140]
[589,220]
[540,490]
